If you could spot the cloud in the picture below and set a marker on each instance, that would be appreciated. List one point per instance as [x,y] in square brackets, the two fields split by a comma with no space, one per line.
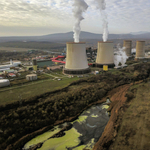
[124,16]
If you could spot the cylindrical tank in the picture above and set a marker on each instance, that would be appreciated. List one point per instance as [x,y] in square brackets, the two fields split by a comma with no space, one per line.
[105,54]
[140,49]
[31,77]
[34,65]
[76,59]
[128,46]
[34,62]
[4,82]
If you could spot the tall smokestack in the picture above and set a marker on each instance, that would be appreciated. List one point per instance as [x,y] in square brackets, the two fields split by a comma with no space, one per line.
[127,44]
[76,59]
[105,54]
[11,61]
[140,49]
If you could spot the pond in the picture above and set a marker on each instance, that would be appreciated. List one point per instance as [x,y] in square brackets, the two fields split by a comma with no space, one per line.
[45,63]
[84,133]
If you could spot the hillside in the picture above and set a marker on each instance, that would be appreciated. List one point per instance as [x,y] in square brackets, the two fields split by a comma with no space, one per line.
[63,37]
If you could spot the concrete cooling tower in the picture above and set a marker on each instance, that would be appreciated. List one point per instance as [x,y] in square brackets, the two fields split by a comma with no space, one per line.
[76,59]
[128,46]
[140,49]
[105,54]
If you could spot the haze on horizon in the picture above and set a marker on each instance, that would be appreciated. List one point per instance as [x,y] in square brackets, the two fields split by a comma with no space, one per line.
[36,17]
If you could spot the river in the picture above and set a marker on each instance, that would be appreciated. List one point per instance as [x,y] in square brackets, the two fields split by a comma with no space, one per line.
[85,131]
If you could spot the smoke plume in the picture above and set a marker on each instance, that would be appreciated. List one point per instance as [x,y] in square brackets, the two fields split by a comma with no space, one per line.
[79,7]
[101,4]
[120,56]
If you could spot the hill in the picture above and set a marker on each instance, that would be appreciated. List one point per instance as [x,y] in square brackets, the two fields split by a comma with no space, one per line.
[63,37]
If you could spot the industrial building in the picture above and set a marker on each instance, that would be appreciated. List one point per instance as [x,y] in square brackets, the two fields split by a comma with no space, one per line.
[4,82]
[12,64]
[127,44]
[76,59]
[105,54]
[31,77]
[140,50]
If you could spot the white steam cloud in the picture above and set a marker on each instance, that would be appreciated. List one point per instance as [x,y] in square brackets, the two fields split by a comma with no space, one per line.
[101,4]
[120,56]
[79,7]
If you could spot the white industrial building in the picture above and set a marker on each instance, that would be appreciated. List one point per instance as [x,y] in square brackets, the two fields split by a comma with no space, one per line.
[31,77]
[4,82]
[76,59]
[105,54]
[1,70]
[12,64]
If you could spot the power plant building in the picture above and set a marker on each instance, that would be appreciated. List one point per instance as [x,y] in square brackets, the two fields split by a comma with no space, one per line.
[127,44]
[140,49]
[105,54]
[76,59]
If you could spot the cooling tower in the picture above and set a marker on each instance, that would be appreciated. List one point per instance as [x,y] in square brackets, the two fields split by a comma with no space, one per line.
[128,46]
[105,54]
[140,49]
[76,59]
[34,65]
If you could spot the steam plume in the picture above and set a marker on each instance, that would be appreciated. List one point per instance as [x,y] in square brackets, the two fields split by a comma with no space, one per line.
[101,4]
[79,7]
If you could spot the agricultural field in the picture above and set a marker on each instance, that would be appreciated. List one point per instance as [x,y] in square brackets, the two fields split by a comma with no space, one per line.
[32,89]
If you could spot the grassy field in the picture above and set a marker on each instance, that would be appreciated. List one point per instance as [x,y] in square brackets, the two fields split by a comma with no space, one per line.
[10,49]
[134,133]
[33,89]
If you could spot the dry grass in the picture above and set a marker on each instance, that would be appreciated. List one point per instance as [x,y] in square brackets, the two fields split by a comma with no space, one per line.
[134,133]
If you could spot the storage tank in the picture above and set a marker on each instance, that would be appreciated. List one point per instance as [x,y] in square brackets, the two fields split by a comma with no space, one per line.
[31,77]
[76,59]
[4,82]
[140,49]
[105,54]
[34,62]
[127,44]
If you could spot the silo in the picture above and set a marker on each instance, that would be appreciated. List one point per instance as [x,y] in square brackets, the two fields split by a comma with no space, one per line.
[140,49]
[127,44]
[34,65]
[105,54]
[76,59]
[4,82]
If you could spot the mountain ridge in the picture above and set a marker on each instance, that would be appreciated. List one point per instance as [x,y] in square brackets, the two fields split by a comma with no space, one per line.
[68,36]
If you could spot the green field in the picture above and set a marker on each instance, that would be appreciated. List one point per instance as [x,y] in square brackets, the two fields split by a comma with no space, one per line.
[33,89]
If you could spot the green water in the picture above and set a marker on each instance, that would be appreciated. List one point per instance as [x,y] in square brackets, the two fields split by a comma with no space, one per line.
[89,122]
[41,138]
[69,140]
[45,63]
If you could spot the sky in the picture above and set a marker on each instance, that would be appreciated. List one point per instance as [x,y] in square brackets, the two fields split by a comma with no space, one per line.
[41,17]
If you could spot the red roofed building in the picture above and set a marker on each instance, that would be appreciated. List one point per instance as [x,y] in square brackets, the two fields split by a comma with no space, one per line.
[11,75]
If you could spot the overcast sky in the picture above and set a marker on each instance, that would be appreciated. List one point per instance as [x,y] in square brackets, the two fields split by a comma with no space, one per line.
[40,17]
